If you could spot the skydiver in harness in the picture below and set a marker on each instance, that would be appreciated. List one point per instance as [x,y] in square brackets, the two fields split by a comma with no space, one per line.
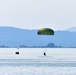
[44,54]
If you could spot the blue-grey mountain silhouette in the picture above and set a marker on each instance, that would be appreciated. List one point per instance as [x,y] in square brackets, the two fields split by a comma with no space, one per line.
[51,45]
[14,37]
[72,29]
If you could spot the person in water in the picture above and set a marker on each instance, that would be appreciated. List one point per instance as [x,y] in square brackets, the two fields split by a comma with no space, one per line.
[44,54]
[16,52]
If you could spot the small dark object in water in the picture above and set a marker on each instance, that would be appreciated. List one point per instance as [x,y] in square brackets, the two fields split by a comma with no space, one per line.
[16,52]
[44,54]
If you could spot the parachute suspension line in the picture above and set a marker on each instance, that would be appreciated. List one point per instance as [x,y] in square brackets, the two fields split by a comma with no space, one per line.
[41,42]
[44,48]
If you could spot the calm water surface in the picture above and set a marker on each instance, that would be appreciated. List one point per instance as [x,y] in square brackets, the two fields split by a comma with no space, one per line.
[32,62]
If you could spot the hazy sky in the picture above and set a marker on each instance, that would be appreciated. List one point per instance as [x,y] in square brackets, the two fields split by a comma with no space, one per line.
[34,14]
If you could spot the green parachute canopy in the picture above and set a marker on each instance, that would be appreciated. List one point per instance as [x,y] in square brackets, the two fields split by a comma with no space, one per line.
[45,31]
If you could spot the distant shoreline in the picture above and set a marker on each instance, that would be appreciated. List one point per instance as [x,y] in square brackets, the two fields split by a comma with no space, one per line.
[34,47]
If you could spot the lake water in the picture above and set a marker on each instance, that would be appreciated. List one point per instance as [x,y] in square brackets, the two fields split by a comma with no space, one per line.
[30,61]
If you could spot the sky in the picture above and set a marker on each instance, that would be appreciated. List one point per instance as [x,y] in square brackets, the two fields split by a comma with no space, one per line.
[35,14]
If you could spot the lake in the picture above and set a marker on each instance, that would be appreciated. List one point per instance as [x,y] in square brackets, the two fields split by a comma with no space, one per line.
[31,61]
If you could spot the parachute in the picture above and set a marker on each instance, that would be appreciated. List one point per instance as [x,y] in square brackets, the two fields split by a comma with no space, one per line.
[45,31]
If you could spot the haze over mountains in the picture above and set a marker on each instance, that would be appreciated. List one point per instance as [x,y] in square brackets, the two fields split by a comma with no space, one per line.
[15,37]
[72,29]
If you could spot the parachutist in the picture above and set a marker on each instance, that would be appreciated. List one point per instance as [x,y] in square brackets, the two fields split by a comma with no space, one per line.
[44,54]
[47,32]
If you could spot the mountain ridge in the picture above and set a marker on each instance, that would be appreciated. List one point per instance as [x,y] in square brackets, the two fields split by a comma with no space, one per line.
[14,37]
[72,29]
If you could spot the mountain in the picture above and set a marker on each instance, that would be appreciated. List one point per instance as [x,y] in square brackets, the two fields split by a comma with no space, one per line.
[11,36]
[72,29]
[15,37]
